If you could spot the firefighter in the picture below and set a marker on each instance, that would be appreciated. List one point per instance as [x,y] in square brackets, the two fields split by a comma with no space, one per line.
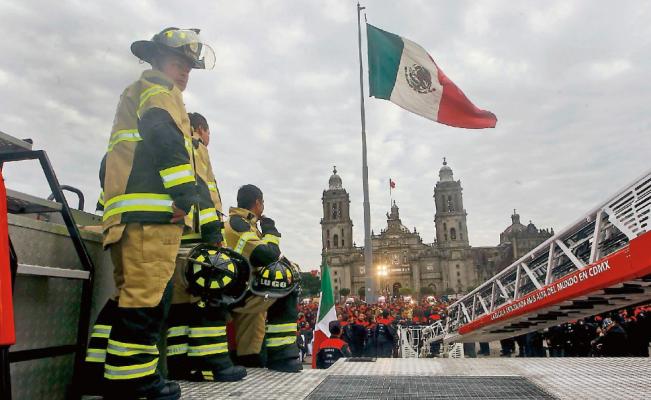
[273,290]
[149,187]
[333,348]
[385,335]
[197,348]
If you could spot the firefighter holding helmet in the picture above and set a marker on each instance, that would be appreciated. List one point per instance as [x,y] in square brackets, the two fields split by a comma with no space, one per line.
[207,279]
[149,188]
[265,320]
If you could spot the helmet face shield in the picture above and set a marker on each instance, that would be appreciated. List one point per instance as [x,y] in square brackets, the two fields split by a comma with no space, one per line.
[188,43]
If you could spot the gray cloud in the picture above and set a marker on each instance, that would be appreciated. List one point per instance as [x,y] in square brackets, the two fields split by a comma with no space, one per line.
[569,82]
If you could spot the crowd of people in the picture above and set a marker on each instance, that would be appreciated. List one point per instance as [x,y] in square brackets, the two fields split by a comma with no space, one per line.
[371,330]
[622,333]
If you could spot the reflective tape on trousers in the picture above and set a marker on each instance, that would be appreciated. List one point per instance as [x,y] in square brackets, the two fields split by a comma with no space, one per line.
[130,371]
[147,202]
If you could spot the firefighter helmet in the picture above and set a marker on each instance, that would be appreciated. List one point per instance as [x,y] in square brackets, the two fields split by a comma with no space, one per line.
[276,280]
[184,42]
[217,274]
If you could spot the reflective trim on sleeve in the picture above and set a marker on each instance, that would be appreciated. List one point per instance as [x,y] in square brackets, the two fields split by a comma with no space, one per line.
[280,341]
[145,95]
[207,215]
[130,371]
[277,328]
[101,331]
[100,201]
[148,202]
[243,239]
[208,349]
[268,238]
[212,186]
[124,135]
[177,175]
[176,331]
[96,355]
[212,331]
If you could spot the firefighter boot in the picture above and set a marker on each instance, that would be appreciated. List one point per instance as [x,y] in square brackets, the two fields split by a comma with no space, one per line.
[286,365]
[280,337]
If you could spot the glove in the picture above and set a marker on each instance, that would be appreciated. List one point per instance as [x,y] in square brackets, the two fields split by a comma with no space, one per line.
[268,226]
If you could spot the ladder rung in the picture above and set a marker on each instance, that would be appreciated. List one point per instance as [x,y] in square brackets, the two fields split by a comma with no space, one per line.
[26,269]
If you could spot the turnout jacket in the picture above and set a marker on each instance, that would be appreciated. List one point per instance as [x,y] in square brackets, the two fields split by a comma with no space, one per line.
[242,235]
[209,210]
[149,165]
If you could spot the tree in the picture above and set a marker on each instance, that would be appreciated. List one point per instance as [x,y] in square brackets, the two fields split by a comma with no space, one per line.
[344,292]
[404,291]
[361,292]
[311,284]
[426,291]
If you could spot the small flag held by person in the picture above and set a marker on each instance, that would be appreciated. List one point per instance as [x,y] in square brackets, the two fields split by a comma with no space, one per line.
[404,73]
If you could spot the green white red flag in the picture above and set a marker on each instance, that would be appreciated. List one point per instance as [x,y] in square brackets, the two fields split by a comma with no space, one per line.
[327,312]
[404,73]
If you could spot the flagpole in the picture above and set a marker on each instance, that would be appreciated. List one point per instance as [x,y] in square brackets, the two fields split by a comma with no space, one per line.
[368,246]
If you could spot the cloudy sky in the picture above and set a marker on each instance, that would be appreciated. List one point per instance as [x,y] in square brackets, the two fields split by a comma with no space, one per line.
[568,80]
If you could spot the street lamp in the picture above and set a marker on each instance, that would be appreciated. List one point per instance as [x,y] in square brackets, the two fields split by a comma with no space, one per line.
[382,272]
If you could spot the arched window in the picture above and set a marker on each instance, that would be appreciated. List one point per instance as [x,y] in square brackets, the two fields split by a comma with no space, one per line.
[450,204]
[453,234]
[342,238]
[327,238]
[460,231]
[335,240]
[334,211]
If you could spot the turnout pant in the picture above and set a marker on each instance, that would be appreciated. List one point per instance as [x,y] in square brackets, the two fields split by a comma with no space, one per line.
[143,257]
[196,334]
[268,322]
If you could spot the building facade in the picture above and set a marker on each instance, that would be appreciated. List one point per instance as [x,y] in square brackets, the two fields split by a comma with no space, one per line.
[403,260]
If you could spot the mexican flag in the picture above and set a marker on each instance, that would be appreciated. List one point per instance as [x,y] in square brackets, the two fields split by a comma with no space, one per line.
[327,312]
[403,72]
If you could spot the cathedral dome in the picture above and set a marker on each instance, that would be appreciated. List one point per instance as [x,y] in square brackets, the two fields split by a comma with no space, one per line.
[335,180]
[516,226]
[445,173]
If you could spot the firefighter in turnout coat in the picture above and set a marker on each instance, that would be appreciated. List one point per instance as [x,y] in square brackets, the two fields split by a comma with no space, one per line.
[265,326]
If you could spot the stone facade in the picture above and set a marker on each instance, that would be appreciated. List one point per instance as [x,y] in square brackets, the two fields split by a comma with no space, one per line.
[449,265]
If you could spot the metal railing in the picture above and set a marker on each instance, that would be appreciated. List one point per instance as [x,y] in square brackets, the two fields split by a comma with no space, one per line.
[601,232]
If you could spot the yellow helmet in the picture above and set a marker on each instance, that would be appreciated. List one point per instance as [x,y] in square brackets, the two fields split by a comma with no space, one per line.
[184,42]
[217,274]
[276,280]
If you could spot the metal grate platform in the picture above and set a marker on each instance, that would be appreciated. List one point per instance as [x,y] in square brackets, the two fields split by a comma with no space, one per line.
[562,378]
[426,387]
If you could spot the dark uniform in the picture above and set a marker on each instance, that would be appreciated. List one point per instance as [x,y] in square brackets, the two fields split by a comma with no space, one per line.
[384,338]
[330,351]
[259,320]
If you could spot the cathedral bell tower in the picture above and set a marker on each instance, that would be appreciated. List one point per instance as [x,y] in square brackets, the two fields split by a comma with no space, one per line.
[450,218]
[336,225]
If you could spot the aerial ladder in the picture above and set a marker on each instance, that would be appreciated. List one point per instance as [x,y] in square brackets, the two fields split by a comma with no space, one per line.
[599,263]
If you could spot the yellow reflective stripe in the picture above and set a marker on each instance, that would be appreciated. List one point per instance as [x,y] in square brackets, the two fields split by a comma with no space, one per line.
[152,91]
[137,202]
[130,371]
[208,375]
[101,331]
[207,215]
[212,186]
[124,135]
[101,198]
[213,331]
[96,355]
[198,351]
[177,349]
[177,175]
[190,236]
[175,331]
[291,327]
[129,349]
[281,341]
[271,239]
[242,241]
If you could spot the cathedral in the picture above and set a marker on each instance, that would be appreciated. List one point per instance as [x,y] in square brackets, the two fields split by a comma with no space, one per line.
[401,259]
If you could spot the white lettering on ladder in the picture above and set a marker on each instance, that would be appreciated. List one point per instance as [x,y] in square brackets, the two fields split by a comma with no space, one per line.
[553,289]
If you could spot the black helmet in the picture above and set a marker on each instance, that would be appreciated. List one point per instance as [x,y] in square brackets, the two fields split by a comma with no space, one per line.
[184,42]
[276,280]
[217,274]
